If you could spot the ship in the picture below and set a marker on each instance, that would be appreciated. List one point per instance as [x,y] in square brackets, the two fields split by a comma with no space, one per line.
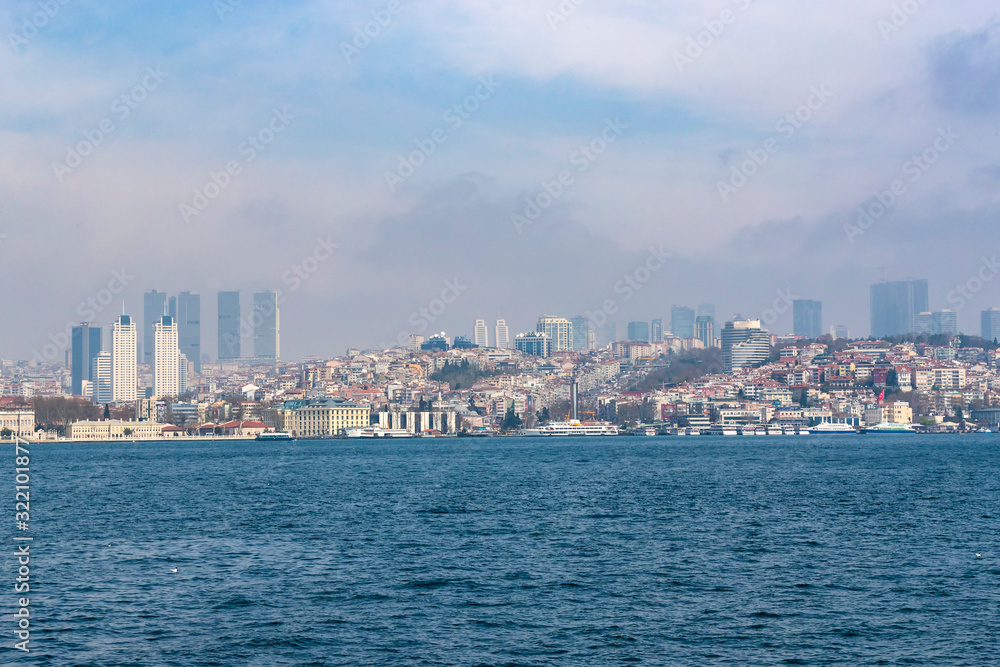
[888,427]
[280,435]
[832,428]
[376,431]
[570,427]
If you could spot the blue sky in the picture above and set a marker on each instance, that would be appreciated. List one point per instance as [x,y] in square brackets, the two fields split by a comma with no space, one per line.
[892,83]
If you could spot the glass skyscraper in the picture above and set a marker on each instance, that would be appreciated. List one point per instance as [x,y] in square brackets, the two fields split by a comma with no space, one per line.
[153,308]
[85,346]
[189,327]
[229,325]
[682,321]
[266,335]
[638,331]
[894,306]
[807,318]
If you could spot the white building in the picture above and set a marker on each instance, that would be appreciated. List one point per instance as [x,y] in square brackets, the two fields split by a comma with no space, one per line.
[182,372]
[481,337]
[559,330]
[101,372]
[502,337]
[123,359]
[166,372]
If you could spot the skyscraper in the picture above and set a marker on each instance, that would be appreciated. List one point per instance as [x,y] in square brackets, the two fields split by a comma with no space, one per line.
[581,333]
[744,343]
[153,308]
[559,329]
[229,325]
[481,337]
[610,332]
[946,322]
[923,323]
[894,306]
[990,320]
[502,336]
[638,331]
[839,331]
[682,321]
[657,331]
[704,330]
[807,318]
[189,327]
[266,334]
[123,360]
[101,373]
[166,380]
[85,345]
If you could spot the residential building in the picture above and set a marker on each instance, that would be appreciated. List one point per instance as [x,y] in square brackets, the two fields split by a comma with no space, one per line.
[894,413]
[559,330]
[166,380]
[502,335]
[534,343]
[123,359]
[85,346]
[229,326]
[807,318]
[266,330]
[744,343]
[189,327]
[894,306]
[154,306]
[481,337]
[682,321]
[638,332]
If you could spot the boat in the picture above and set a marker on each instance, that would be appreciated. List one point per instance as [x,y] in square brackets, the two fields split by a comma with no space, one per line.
[277,435]
[775,430]
[832,428]
[570,427]
[643,430]
[889,428]
[376,431]
[721,429]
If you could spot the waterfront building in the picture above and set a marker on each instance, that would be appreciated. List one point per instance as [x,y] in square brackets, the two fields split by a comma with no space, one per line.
[322,416]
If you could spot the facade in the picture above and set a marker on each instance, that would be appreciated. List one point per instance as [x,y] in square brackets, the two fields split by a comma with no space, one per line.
[656,330]
[559,330]
[990,320]
[166,371]
[266,333]
[946,322]
[534,343]
[840,331]
[101,373]
[123,360]
[229,325]
[481,337]
[744,343]
[895,305]
[704,330]
[894,413]
[322,416]
[502,335]
[189,327]
[682,321]
[85,346]
[153,308]
[638,332]
[807,318]
[20,422]
[114,429]
[581,333]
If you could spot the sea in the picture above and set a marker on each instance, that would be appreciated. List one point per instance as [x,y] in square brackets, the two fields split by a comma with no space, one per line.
[793,550]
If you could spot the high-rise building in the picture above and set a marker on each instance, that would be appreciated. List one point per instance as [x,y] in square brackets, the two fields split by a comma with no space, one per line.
[85,345]
[581,333]
[482,334]
[172,307]
[229,325]
[744,343]
[166,380]
[266,334]
[894,306]
[638,331]
[534,343]
[502,335]
[610,332]
[123,360]
[101,373]
[946,322]
[182,372]
[840,331]
[923,323]
[682,321]
[707,309]
[990,320]
[153,308]
[559,329]
[807,318]
[189,327]
[704,330]
[657,330]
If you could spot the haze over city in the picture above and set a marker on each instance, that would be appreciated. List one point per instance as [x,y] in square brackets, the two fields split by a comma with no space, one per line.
[225,146]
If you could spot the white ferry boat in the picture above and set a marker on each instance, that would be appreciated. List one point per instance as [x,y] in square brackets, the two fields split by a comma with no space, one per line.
[888,427]
[571,427]
[279,435]
[721,429]
[376,431]
[832,428]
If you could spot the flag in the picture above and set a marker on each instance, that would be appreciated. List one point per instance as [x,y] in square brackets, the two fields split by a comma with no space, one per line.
[881,397]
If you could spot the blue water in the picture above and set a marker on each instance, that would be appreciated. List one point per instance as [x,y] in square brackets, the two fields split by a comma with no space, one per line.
[664,551]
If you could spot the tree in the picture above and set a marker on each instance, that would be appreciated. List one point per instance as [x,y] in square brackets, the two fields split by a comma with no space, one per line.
[6,433]
[544,417]
[511,422]
[127,432]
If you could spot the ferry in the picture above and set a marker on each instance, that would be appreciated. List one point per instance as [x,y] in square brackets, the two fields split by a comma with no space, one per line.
[376,431]
[832,428]
[278,435]
[570,427]
[888,427]
[720,429]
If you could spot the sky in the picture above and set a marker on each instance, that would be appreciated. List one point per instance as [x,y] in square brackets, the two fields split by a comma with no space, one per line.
[395,167]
